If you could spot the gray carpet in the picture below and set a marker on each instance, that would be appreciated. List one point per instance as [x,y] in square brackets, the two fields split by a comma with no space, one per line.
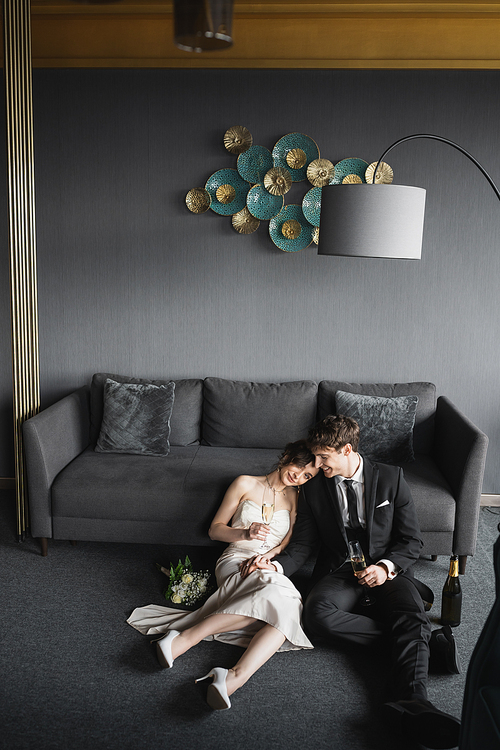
[75,675]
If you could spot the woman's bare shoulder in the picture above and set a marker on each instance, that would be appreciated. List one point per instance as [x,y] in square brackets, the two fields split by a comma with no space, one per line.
[248,482]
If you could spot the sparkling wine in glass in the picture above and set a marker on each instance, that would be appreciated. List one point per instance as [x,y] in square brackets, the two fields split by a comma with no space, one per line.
[358,563]
[267,516]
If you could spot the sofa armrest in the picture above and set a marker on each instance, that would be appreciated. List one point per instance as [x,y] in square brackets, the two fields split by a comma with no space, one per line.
[460,453]
[52,439]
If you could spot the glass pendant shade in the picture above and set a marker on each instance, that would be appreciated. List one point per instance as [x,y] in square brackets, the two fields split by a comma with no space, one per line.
[203,25]
[372,221]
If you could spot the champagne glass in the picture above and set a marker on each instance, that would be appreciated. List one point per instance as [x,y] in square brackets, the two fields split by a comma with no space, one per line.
[267,516]
[358,564]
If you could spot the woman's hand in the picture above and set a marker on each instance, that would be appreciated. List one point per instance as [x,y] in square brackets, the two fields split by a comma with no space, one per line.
[257,562]
[257,531]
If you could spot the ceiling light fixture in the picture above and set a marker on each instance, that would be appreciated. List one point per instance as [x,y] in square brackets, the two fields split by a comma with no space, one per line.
[203,25]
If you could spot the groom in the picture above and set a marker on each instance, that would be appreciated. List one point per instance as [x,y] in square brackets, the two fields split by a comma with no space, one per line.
[354,498]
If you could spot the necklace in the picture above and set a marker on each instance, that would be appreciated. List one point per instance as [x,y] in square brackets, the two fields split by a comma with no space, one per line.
[275,491]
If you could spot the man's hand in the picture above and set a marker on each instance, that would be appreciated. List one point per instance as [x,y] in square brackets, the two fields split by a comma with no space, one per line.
[258,562]
[373,575]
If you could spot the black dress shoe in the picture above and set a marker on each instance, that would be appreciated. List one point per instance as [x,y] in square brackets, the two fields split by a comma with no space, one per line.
[443,652]
[425,723]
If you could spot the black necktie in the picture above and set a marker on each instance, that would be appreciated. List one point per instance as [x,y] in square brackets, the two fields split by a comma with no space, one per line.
[352,505]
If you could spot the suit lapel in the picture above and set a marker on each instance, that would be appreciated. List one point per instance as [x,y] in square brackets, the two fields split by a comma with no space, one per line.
[331,489]
[370,473]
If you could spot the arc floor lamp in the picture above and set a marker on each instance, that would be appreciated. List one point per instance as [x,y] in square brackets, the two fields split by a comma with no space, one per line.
[378,220]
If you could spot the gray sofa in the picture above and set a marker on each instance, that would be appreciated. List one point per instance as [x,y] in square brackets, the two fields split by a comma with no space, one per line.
[220,429]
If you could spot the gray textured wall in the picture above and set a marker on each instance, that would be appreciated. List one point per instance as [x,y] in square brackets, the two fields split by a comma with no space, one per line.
[131,282]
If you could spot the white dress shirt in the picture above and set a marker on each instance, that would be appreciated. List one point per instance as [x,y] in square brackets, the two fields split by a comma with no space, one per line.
[358,485]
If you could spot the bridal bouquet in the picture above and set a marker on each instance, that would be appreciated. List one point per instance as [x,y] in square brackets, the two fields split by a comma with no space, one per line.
[184,585]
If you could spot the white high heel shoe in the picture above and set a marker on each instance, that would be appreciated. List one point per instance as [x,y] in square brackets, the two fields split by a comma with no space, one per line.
[164,649]
[217,697]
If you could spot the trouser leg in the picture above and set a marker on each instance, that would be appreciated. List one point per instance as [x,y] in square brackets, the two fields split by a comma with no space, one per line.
[332,611]
[401,608]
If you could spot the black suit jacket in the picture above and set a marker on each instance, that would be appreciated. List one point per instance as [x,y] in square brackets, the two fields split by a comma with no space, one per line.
[391,522]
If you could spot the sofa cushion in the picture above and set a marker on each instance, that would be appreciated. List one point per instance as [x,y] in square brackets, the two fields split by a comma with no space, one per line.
[432,495]
[386,425]
[241,414]
[423,432]
[185,423]
[146,498]
[136,418]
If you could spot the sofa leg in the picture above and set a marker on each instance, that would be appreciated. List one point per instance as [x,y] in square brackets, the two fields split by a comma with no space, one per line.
[462,562]
[434,558]
[44,545]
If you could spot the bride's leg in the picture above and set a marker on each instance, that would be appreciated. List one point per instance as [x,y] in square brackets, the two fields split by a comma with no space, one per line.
[263,645]
[212,625]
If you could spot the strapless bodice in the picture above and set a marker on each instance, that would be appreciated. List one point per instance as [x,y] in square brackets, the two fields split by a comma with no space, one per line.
[249,512]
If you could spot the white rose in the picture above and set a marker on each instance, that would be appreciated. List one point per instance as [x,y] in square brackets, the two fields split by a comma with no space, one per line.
[187,578]
[176,599]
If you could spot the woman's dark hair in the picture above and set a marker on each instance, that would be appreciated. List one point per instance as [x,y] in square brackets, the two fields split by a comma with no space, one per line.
[297,454]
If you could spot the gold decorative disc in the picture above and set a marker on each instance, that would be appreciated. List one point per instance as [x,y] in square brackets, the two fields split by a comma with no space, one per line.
[320,172]
[225,194]
[278,181]
[384,175]
[291,229]
[296,158]
[237,139]
[198,200]
[244,222]
[316,235]
[352,179]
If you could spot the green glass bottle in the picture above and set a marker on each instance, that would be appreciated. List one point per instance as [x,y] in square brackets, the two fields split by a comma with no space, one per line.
[451,602]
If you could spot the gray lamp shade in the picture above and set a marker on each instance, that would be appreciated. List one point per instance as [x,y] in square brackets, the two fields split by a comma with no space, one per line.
[372,221]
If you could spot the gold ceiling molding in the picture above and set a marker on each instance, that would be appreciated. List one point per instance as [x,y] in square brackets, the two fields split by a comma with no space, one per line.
[279,7]
[276,34]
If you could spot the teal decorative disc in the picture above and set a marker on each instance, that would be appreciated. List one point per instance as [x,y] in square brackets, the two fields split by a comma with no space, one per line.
[289,230]
[311,205]
[348,167]
[228,192]
[254,163]
[295,152]
[262,204]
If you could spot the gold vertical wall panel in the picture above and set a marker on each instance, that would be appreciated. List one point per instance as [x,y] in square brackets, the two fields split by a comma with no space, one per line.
[22,243]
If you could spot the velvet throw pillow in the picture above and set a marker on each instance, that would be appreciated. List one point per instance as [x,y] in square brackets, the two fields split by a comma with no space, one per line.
[136,418]
[386,425]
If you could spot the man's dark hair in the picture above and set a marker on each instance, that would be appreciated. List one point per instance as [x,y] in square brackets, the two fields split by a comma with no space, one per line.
[334,431]
[297,453]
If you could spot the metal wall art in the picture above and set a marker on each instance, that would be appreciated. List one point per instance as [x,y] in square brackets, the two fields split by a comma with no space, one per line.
[255,191]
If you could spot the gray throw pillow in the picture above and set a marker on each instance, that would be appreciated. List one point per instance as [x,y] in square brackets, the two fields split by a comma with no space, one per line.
[386,425]
[239,414]
[136,418]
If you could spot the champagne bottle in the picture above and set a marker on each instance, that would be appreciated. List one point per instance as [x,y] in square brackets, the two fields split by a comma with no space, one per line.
[451,602]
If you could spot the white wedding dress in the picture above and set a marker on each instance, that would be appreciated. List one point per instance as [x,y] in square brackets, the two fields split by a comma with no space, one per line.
[264,595]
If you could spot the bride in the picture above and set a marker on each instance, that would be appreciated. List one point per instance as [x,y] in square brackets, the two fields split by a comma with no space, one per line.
[261,610]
